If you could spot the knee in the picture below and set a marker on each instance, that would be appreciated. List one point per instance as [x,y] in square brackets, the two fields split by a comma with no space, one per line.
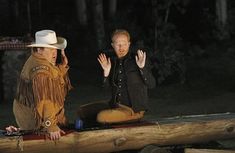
[102,116]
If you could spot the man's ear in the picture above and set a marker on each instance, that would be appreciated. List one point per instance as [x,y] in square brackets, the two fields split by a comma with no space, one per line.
[112,44]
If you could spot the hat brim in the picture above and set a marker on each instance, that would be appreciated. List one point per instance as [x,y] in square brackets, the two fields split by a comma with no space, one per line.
[61,44]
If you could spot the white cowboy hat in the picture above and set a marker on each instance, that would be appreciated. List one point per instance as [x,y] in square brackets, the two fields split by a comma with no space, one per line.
[47,38]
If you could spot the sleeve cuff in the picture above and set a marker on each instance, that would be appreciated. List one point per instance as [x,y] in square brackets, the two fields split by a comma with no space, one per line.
[50,125]
[143,73]
[53,128]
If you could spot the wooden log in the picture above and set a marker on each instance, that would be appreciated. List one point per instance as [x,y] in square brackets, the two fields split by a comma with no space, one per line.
[189,150]
[170,131]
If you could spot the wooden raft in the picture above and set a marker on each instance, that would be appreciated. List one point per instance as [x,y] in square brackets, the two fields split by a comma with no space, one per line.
[167,131]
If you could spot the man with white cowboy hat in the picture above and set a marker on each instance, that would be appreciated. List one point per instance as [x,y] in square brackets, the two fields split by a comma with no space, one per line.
[42,87]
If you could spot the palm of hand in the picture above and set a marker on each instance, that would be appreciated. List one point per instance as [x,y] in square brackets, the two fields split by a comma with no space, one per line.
[104,62]
[106,65]
[140,58]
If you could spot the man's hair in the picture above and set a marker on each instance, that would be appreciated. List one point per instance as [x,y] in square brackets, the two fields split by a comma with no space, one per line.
[120,32]
[35,49]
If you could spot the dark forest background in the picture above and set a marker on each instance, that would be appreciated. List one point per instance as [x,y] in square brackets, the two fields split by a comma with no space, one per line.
[190,42]
[173,32]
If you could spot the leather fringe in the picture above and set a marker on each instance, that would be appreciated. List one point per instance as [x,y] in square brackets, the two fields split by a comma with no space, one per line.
[42,87]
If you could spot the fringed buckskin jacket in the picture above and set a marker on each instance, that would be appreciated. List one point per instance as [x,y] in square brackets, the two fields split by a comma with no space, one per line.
[41,91]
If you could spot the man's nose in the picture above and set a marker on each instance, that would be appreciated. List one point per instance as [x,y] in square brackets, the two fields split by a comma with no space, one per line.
[120,46]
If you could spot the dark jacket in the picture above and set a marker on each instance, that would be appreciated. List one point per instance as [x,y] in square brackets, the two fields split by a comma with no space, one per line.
[137,82]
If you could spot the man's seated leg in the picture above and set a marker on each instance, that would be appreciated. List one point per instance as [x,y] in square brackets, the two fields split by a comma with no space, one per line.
[88,112]
[119,115]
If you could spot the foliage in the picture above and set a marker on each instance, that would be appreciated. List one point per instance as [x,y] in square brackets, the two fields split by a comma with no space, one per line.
[169,60]
[168,57]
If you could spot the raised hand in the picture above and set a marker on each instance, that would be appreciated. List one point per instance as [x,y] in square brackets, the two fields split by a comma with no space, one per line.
[105,63]
[140,58]
[64,58]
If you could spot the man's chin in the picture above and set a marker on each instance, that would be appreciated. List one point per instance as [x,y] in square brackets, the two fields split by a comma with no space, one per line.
[121,55]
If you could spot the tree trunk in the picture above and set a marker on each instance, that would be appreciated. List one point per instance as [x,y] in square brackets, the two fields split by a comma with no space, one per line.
[155,16]
[82,12]
[16,10]
[40,11]
[99,23]
[221,11]
[112,8]
[1,79]
[29,16]
[170,131]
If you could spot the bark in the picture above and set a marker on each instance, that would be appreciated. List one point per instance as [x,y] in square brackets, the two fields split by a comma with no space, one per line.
[112,8]
[155,15]
[29,16]
[171,131]
[99,23]
[1,79]
[221,11]
[82,12]
[40,11]
[16,10]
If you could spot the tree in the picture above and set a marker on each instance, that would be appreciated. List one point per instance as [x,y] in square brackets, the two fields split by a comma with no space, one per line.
[112,8]
[221,12]
[82,12]
[155,16]
[29,16]
[167,57]
[98,19]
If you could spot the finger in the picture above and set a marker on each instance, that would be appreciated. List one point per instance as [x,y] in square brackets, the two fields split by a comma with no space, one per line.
[14,128]
[8,129]
[144,56]
[109,61]
[11,128]
[99,60]
[58,136]
[141,53]
[51,136]
[136,58]
[55,135]
[104,57]
[101,57]
[62,52]
[62,131]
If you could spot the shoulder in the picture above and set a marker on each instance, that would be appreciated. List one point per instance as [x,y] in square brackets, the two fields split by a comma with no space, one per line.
[40,70]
